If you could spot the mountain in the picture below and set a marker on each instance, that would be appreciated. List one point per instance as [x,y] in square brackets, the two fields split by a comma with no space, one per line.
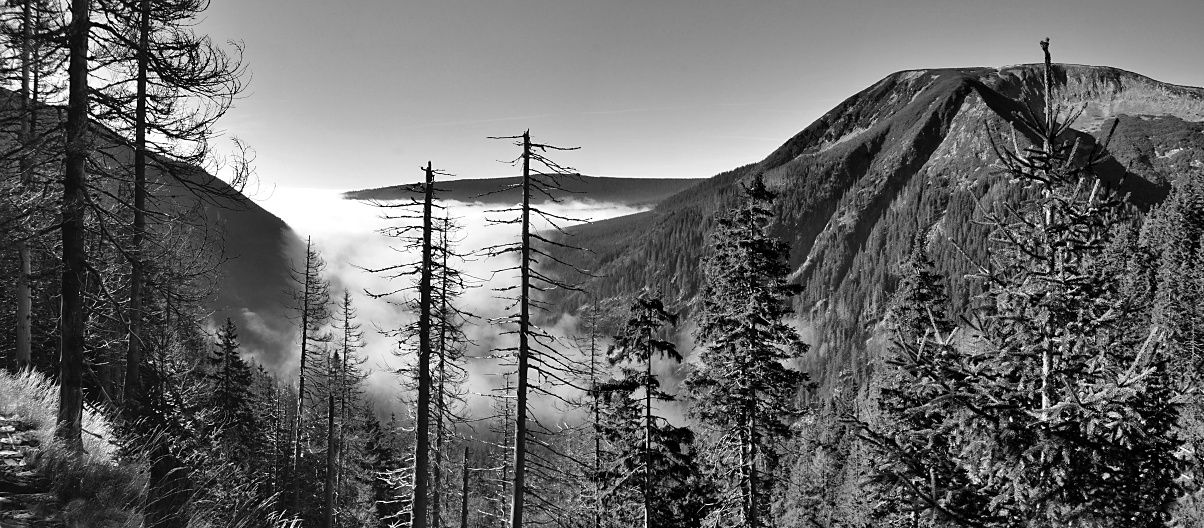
[908,155]
[245,249]
[635,192]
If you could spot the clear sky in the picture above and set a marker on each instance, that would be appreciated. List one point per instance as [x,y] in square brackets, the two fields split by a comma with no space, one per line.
[358,93]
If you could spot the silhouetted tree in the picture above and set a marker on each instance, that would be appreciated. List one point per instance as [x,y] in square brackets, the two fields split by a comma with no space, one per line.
[535,350]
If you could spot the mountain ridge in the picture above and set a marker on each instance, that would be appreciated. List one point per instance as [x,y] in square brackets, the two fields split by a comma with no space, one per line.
[608,189]
[908,155]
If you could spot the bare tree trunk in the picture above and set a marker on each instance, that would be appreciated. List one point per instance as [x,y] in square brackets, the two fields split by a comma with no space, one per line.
[745,480]
[524,321]
[593,383]
[24,308]
[24,294]
[754,484]
[418,515]
[73,319]
[298,421]
[133,351]
[647,483]
[331,453]
[344,392]
[464,491]
[440,402]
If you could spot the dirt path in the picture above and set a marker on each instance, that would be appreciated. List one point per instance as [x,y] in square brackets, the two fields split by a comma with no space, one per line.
[26,500]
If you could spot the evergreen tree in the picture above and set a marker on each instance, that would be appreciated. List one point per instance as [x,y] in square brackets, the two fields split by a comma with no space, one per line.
[743,388]
[383,462]
[1056,404]
[917,471]
[231,380]
[650,471]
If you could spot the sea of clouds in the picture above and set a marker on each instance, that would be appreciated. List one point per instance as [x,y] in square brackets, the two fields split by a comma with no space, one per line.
[348,235]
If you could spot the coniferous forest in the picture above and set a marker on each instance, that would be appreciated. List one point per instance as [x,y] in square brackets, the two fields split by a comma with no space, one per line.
[871,327]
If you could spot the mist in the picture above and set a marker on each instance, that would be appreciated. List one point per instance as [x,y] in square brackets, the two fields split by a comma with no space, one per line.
[347,234]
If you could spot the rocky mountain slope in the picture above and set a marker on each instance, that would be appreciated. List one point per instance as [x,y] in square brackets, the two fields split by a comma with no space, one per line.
[908,155]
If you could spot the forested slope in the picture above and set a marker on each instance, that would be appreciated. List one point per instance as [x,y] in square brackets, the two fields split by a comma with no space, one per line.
[908,155]
[244,249]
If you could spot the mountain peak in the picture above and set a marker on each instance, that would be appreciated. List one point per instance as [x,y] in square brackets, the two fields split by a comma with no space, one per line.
[909,154]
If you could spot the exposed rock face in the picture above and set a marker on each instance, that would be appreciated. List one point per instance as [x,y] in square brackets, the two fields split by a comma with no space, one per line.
[909,154]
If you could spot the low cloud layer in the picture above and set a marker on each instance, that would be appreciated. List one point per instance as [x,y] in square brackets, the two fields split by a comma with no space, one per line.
[347,234]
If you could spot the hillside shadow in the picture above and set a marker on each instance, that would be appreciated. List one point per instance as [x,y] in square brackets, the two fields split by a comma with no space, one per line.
[1142,193]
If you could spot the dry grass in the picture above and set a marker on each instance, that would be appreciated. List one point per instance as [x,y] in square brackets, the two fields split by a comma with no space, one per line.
[96,489]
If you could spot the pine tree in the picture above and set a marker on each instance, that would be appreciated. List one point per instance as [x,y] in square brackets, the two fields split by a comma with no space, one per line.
[349,395]
[420,237]
[1083,426]
[448,373]
[917,471]
[30,32]
[382,461]
[232,400]
[1056,404]
[182,85]
[743,390]
[651,466]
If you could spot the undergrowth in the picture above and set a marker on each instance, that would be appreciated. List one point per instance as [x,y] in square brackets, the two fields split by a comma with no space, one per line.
[99,488]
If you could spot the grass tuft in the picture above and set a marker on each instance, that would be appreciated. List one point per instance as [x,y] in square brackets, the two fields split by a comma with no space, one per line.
[100,490]
[96,488]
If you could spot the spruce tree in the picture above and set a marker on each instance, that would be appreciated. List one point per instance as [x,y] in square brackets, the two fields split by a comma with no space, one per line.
[231,401]
[1055,399]
[744,390]
[917,474]
[650,467]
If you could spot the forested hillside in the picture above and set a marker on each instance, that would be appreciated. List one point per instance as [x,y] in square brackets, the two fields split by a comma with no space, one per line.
[908,155]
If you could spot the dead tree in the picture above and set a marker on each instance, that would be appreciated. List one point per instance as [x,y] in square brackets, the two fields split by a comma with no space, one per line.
[418,238]
[449,374]
[311,303]
[536,350]
[182,84]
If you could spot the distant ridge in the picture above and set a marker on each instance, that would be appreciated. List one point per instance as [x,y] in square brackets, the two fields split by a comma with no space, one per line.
[628,191]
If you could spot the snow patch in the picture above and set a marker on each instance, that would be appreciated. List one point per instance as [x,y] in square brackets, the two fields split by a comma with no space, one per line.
[829,144]
[1169,153]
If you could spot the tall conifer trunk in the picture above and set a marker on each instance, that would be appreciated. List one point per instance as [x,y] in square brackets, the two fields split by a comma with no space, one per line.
[418,516]
[24,294]
[74,254]
[464,491]
[647,483]
[440,402]
[298,421]
[133,351]
[332,449]
[524,321]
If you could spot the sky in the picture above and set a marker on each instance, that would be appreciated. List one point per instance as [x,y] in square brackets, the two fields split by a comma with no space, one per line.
[360,93]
